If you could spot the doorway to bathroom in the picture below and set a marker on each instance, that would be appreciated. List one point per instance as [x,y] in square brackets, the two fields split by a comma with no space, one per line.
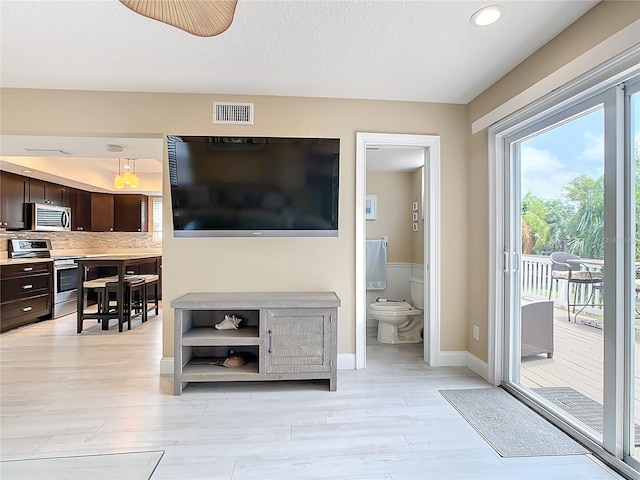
[390,154]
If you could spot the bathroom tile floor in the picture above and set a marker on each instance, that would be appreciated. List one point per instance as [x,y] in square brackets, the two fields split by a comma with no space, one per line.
[100,392]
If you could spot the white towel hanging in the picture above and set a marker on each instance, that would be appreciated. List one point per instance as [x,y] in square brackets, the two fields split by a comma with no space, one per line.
[376,264]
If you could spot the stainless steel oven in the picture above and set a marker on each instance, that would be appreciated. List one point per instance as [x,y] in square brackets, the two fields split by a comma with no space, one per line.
[65,286]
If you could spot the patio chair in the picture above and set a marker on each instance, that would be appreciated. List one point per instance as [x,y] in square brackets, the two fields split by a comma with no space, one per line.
[569,267]
[536,329]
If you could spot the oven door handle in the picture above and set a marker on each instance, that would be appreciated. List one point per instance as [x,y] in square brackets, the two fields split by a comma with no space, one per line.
[65,267]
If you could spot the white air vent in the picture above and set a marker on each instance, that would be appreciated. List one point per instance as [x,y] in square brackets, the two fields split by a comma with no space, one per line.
[233,113]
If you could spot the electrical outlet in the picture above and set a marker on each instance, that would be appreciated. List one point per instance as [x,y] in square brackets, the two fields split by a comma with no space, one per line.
[476,333]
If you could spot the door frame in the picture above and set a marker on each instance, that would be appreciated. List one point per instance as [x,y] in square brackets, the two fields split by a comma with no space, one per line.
[431,201]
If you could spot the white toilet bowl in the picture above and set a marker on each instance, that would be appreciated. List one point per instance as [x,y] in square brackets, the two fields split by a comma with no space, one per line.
[400,322]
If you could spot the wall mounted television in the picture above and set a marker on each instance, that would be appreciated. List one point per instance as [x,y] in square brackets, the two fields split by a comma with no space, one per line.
[254,186]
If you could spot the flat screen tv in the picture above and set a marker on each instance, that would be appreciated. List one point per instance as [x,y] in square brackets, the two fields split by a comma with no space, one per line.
[254,186]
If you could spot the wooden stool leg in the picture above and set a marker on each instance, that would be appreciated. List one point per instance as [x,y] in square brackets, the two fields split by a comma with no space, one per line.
[144,303]
[155,296]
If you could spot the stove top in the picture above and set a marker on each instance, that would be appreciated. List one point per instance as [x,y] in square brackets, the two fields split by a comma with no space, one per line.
[67,257]
[28,248]
[25,248]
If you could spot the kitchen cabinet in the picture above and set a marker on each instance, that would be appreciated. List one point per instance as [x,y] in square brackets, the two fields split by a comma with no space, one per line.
[80,203]
[13,195]
[130,213]
[26,293]
[46,192]
[90,211]
[102,211]
[283,336]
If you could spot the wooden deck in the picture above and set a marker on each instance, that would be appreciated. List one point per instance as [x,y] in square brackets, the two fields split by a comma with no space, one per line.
[577,361]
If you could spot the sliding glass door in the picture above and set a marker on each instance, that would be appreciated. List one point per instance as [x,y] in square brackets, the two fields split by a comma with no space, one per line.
[556,240]
[570,269]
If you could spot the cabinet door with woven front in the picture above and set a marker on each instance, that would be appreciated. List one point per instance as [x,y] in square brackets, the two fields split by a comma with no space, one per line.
[298,340]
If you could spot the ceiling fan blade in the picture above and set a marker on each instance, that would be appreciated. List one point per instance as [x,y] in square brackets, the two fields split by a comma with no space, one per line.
[204,18]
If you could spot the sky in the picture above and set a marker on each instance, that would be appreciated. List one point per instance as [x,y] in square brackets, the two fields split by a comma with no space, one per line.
[551,159]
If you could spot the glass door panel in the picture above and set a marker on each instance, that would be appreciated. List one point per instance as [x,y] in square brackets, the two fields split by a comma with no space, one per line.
[559,184]
[634,342]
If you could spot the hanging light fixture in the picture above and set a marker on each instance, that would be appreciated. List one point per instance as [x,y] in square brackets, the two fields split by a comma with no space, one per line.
[118,181]
[126,175]
[203,18]
[127,172]
[134,181]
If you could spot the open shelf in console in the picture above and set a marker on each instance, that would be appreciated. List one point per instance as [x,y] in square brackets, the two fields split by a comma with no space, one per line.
[193,372]
[201,329]
[205,361]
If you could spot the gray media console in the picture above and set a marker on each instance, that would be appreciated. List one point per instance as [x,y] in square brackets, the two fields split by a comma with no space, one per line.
[282,336]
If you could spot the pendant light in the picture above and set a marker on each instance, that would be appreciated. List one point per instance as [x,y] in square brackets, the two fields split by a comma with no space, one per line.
[118,181]
[126,175]
[134,181]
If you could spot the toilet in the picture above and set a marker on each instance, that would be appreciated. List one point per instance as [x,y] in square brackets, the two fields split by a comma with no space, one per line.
[401,322]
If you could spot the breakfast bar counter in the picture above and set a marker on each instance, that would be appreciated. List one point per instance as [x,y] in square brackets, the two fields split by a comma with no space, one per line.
[150,263]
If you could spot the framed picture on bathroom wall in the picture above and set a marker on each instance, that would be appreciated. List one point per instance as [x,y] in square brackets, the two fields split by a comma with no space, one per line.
[370,207]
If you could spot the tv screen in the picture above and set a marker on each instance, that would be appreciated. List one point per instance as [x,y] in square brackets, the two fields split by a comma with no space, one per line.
[254,186]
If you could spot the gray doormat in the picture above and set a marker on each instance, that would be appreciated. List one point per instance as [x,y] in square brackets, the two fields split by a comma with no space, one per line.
[508,425]
[579,406]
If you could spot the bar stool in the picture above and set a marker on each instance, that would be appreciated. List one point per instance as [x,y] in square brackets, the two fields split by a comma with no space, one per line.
[133,298]
[150,285]
[99,287]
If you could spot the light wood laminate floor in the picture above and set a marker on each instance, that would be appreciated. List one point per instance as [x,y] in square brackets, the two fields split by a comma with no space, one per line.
[100,392]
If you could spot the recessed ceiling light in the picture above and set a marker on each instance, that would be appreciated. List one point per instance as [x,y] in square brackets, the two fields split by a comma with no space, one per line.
[114,148]
[27,171]
[486,15]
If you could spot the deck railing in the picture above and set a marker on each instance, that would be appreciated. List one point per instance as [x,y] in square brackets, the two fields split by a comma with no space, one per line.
[536,283]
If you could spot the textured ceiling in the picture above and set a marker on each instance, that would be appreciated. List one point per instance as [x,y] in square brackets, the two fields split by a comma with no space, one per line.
[423,51]
[416,50]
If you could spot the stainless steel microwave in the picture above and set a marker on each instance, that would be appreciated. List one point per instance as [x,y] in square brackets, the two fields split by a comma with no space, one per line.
[50,218]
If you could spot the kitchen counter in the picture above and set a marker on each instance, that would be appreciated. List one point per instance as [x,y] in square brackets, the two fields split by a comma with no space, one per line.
[18,261]
[60,253]
[117,257]
[113,256]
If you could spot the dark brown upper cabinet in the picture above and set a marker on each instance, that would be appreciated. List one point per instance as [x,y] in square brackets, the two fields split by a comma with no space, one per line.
[45,192]
[131,213]
[14,192]
[102,208]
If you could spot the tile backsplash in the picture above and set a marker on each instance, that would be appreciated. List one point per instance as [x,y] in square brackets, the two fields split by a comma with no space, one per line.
[89,242]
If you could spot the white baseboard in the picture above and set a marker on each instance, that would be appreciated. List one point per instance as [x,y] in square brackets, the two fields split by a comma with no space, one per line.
[464,359]
[453,358]
[166,366]
[346,361]
[478,366]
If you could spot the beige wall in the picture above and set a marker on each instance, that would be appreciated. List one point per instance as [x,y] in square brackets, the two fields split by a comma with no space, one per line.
[270,264]
[418,196]
[267,264]
[393,219]
[600,23]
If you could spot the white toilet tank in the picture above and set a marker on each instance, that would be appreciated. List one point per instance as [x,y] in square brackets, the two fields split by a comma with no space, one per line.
[417,292]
